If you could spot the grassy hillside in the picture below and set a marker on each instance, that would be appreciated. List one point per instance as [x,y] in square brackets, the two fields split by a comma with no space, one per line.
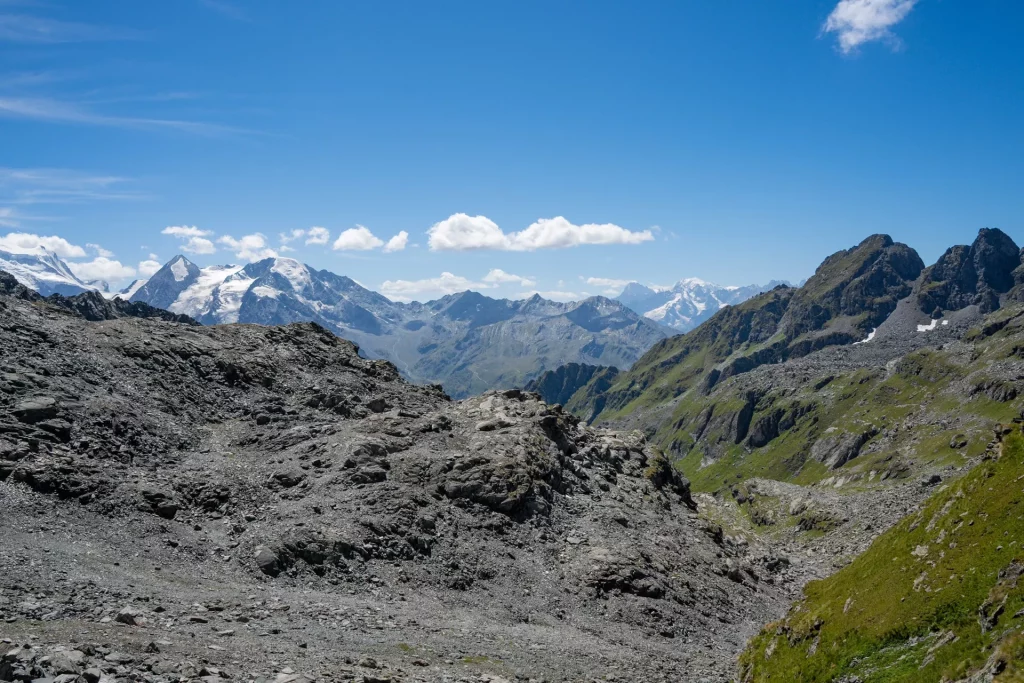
[936,598]
[812,421]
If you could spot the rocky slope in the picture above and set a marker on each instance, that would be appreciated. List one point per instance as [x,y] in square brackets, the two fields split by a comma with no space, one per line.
[467,342]
[244,502]
[689,302]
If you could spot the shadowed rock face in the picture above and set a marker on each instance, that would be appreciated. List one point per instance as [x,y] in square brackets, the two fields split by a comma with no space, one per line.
[182,465]
[558,386]
[972,275]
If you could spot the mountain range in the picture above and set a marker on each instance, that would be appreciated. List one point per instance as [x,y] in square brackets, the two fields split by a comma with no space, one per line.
[44,271]
[689,302]
[467,342]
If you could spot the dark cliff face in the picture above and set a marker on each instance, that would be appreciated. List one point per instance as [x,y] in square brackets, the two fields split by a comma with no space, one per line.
[971,275]
[559,385]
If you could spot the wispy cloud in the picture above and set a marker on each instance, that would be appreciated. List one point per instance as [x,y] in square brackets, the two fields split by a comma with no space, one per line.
[57,111]
[22,186]
[24,28]
[856,22]
[421,290]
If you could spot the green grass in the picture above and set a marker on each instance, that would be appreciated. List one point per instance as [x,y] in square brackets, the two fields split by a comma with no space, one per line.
[908,608]
[920,389]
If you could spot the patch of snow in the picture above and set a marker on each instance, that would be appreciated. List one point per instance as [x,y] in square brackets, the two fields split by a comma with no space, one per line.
[197,298]
[129,291]
[179,269]
[945,322]
[263,290]
[871,335]
[42,270]
[228,296]
[296,273]
[930,326]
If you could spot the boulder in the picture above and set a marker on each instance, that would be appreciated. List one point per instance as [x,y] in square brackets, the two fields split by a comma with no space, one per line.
[268,561]
[36,409]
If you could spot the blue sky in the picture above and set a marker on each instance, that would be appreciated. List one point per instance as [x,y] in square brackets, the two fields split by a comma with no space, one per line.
[737,142]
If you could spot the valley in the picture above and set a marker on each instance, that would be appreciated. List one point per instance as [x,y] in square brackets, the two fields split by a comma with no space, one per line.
[677,520]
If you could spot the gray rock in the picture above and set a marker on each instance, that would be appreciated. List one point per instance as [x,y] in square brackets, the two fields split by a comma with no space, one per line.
[36,409]
[268,561]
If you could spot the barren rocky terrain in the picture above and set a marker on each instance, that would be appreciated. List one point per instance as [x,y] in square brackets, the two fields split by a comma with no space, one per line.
[261,503]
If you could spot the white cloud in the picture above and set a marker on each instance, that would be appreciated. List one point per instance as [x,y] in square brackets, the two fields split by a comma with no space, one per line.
[612,287]
[548,233]
[198,245]
[556,295]
[295,234]
[861,21]
[285,249]
[149,267]
[420,290]
[500,277]
[317,235]
[196,241]
[397,243]
[607,282]
[184,231]
[101,268]
[358,238]
[27,243]
[461,232]
[100,251]
[249,247]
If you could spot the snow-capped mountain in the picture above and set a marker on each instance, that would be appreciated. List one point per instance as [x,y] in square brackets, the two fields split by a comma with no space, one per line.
[688,303]
[468,342]
[42,270]
[128,292]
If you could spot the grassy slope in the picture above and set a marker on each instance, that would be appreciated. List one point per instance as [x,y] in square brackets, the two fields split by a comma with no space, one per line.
[936,391]
[909,608]
[851,403]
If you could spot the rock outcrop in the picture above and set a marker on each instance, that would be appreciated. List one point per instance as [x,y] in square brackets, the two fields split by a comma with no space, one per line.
[974,275]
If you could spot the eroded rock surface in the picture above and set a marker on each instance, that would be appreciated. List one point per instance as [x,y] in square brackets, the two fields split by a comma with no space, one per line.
[270,504]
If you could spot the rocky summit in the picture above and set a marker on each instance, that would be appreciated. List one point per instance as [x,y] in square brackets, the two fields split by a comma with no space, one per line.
[262,503]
